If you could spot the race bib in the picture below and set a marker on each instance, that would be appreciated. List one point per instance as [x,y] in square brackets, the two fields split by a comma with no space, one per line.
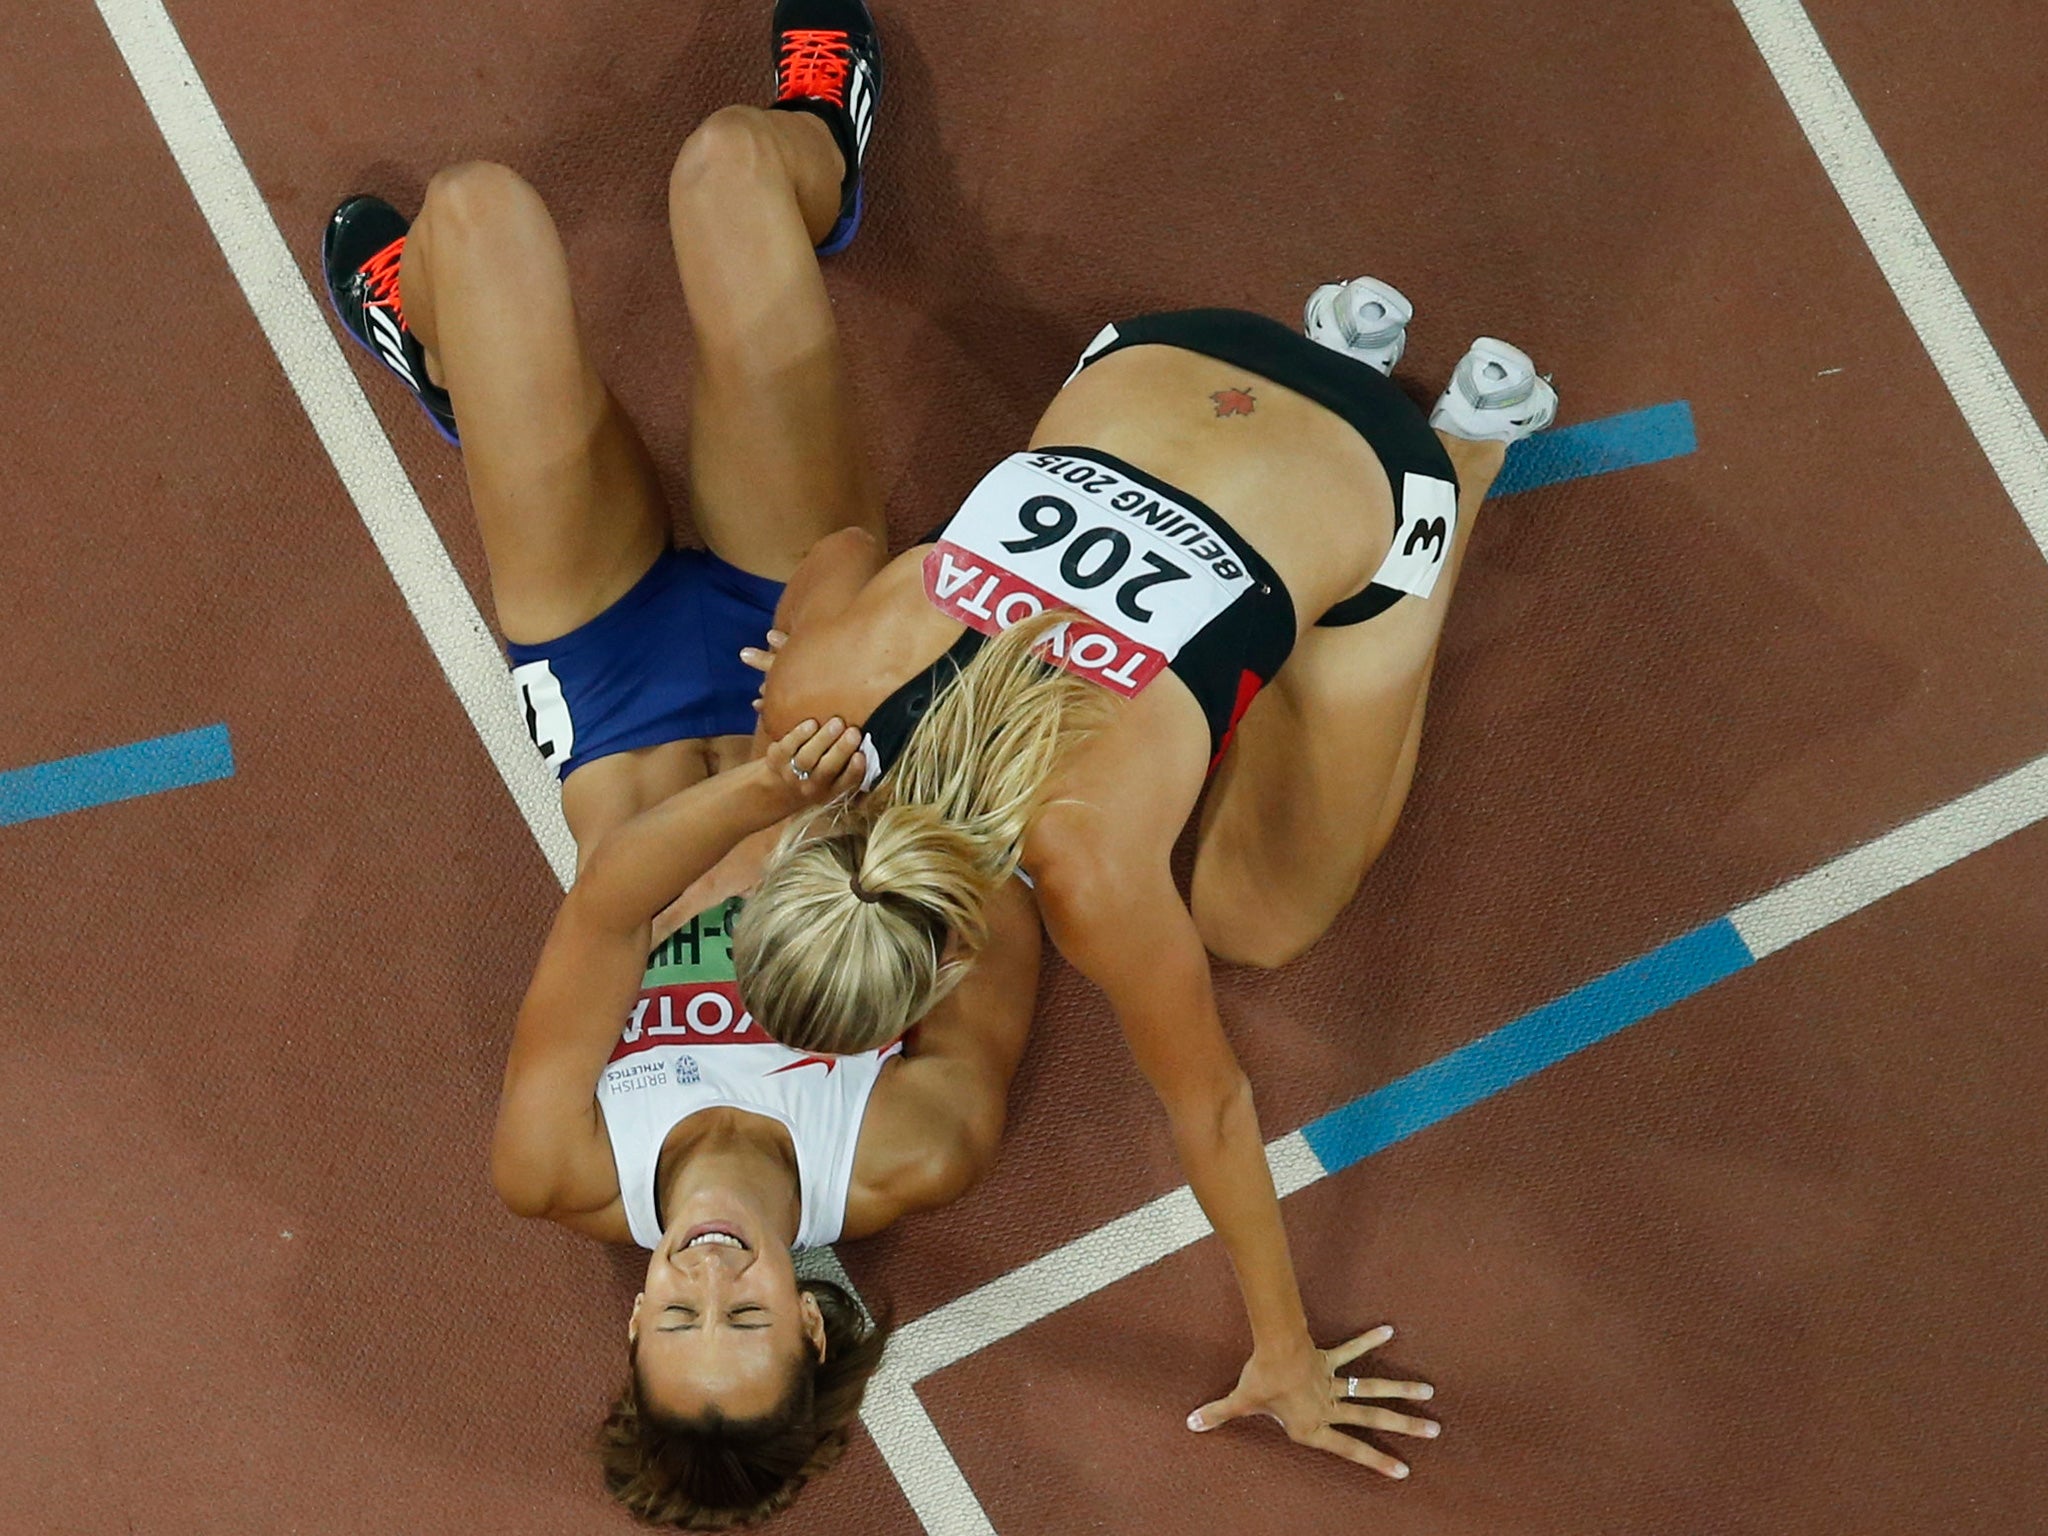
[547,711]
[1429,524]
[687,994]
[1050,530]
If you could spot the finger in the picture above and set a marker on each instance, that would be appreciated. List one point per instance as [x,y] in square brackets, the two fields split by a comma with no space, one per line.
[781,753]
[757,658]
[777,755]
[1222,1411]
[1351,1448]
[1374,1386]
[832,762]
[1385,1418]
[777,639]
[852,776]
[811,752]
[794,737]
[1351,1349]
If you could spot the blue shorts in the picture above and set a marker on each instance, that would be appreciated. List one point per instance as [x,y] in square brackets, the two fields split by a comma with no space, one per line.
[661,664]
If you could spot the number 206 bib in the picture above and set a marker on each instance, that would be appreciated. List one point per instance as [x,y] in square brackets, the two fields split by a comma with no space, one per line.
[1057,530]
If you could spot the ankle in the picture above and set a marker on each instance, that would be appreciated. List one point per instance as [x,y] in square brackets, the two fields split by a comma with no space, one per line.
[1477,461]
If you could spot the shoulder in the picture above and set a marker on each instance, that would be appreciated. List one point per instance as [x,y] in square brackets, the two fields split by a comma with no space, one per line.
[916,1151]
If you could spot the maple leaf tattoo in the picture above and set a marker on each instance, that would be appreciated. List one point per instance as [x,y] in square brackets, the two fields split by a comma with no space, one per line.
[1234,402]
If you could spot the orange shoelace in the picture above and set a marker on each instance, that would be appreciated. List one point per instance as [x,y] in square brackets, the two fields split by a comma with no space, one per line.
[380,276]
[814,63]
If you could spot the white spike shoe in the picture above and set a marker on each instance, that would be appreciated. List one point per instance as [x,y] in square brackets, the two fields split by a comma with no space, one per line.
[1364,318]
[1495,395]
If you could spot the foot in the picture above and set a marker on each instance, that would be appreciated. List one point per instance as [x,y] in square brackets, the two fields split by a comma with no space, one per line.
[1365,318]
[361,250]
[1495,396]
[828,62]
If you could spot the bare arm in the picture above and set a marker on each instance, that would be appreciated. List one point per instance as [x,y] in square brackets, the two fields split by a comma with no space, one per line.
[549,1157]
[1131,935]
[935,1122]
[1127,930]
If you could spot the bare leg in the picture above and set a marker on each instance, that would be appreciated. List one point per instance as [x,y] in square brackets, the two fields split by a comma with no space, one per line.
[1316,777]
[776,458]
[569,506]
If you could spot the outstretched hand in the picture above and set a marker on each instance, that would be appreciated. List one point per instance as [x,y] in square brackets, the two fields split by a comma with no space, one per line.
[1310,1401]
[814,763]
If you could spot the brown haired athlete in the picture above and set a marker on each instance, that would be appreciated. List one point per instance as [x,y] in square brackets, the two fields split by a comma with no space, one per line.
[688,1131]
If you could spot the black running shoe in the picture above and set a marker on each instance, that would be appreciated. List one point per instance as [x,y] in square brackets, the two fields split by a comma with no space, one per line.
[828,62]
[360,251]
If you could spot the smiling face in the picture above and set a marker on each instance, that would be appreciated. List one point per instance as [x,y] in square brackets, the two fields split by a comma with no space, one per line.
[721,1323]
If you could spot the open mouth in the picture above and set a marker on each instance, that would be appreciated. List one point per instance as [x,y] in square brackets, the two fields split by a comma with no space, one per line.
[712,1234]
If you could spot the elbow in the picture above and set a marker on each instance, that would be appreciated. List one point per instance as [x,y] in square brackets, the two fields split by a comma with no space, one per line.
[517,1182]
[523,1198]
[852,544]
[952,1169]
[1215,1113]
[975,1158]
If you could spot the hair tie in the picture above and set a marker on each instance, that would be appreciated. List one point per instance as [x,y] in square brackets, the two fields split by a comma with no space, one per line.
[853,883]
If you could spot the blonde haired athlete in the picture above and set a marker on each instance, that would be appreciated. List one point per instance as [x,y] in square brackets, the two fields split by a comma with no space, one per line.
[1223,561]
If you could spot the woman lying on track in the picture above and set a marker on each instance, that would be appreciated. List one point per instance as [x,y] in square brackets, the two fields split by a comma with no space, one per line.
[1235,546]
[690,1133]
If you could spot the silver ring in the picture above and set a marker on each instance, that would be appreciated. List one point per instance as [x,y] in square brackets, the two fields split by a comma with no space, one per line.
[1351,1386]
[802,774]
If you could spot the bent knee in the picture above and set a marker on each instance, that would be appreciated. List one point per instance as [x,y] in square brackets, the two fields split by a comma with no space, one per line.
[1241,926]
[479,196]
[1266,950]
[733,146]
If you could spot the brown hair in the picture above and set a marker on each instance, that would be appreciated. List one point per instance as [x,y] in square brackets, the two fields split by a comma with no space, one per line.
[712,1473]
[844,943]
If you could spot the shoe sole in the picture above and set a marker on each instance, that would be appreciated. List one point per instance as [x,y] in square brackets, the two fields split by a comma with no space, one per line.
[838,240]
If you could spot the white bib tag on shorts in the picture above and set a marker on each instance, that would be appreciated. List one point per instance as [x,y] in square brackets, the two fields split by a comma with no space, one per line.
[1429,526]
[547,712]
[1050,530]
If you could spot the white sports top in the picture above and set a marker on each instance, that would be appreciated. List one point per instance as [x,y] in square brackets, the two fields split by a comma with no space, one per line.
[690,1045]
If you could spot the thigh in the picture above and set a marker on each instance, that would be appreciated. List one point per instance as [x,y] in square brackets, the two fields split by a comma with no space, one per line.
[567,500]
[1319,769]
[776,460]
[1307,796]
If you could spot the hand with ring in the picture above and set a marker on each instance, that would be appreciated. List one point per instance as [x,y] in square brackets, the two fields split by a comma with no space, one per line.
[1315,1405]
[815,763]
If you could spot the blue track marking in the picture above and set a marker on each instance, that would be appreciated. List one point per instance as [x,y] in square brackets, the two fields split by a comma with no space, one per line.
[1598,447]
[1538,1039]
[119,773]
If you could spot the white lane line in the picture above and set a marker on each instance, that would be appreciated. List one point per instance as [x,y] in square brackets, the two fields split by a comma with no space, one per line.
[1894,861]
[311,357]
[917,1456]
[1906,253]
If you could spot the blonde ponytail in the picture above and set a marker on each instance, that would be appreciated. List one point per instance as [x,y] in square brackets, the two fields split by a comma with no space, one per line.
[868,913]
